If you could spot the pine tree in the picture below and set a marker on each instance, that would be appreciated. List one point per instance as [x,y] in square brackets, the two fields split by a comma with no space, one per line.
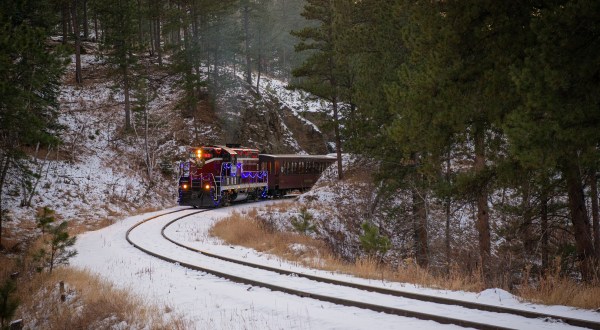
[121,44]
[455,91]
[556,128]
[323,72]
[29,82]
[56,248]
[8,302]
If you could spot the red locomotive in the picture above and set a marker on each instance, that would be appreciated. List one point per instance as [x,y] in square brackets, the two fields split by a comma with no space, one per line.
[219,175]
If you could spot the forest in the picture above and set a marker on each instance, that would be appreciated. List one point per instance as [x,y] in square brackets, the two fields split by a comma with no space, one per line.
[491,104]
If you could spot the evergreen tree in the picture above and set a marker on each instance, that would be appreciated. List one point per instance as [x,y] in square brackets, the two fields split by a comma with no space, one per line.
[323,72]
[56,248]
[8,303]
[44,219]
[29,82]
[455,92]
[121,44]
[557,125]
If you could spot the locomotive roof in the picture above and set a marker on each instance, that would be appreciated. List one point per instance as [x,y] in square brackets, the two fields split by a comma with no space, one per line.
[323,157]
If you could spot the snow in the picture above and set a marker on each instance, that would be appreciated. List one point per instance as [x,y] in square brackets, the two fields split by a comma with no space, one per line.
[212,302]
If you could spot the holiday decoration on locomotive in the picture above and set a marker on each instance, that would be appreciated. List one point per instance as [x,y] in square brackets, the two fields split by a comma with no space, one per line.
[219,175]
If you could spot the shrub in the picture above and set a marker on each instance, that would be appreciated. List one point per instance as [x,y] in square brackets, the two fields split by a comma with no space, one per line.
[305,224]
[55,250]
[8,304]
[372,241]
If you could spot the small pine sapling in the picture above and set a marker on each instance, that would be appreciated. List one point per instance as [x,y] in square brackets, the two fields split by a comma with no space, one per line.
[56,249]
[373,242]
[8,303]
[304,225]
[44,218]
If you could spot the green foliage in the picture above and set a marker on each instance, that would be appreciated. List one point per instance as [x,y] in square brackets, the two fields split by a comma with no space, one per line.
[44,218]
[29,76]
[324,72]
[559,85]
[372,241]
[304,225]
[56,248]
[30,73]
[8,303]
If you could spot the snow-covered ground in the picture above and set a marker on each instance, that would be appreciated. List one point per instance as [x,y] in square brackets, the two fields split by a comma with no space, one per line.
[211,302]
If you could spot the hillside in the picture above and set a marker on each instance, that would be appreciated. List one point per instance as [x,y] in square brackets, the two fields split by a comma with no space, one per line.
[99,173]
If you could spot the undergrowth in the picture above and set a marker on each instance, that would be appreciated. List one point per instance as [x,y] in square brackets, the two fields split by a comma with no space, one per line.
[249,231]
[90,303]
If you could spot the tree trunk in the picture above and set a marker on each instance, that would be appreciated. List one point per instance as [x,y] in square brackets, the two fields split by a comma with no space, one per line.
[78,77]
[96,27]
[126,91]
[247,41]
[65,22]
[420,228]
[86,30]
[593,183]
[338,138]
[258,64]
[152,33]
[579,218]
[140,24]
[157,41]
[447,211]
[483,217]
[147,149]
[544,228]
[3,170]
[525,228]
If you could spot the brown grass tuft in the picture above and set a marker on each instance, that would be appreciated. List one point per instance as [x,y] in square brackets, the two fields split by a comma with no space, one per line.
[556,289]
[247,230]
[91,303]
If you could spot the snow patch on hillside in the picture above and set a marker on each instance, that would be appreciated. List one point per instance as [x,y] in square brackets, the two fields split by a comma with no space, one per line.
[97,172]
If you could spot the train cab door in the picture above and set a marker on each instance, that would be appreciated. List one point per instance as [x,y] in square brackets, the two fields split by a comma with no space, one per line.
[276,168]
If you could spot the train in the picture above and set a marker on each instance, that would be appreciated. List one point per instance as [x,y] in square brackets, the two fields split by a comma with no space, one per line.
[218,175]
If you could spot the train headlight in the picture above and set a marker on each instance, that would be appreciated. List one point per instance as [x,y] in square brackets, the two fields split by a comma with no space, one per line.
[207,187]
[199,153]
[184,186]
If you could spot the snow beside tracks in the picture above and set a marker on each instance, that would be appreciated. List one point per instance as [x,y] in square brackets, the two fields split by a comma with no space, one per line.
[210,302]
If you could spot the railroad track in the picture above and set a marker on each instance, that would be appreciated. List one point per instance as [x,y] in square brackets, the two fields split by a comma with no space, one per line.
[484,308]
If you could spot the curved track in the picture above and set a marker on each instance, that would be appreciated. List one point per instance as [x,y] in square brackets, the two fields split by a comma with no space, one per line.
[347,302]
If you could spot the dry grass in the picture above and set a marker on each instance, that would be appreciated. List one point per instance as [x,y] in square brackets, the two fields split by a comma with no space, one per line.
[90,304]
[556,289]
[246,230]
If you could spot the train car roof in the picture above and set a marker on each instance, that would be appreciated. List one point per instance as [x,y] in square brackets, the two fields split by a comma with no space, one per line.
[289,156]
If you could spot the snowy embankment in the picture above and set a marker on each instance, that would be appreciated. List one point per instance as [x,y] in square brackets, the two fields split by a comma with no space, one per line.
[212,302]
[97,172]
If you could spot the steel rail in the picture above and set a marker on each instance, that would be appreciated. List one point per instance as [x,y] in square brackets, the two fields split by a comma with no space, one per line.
[341,301]
[411,295]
